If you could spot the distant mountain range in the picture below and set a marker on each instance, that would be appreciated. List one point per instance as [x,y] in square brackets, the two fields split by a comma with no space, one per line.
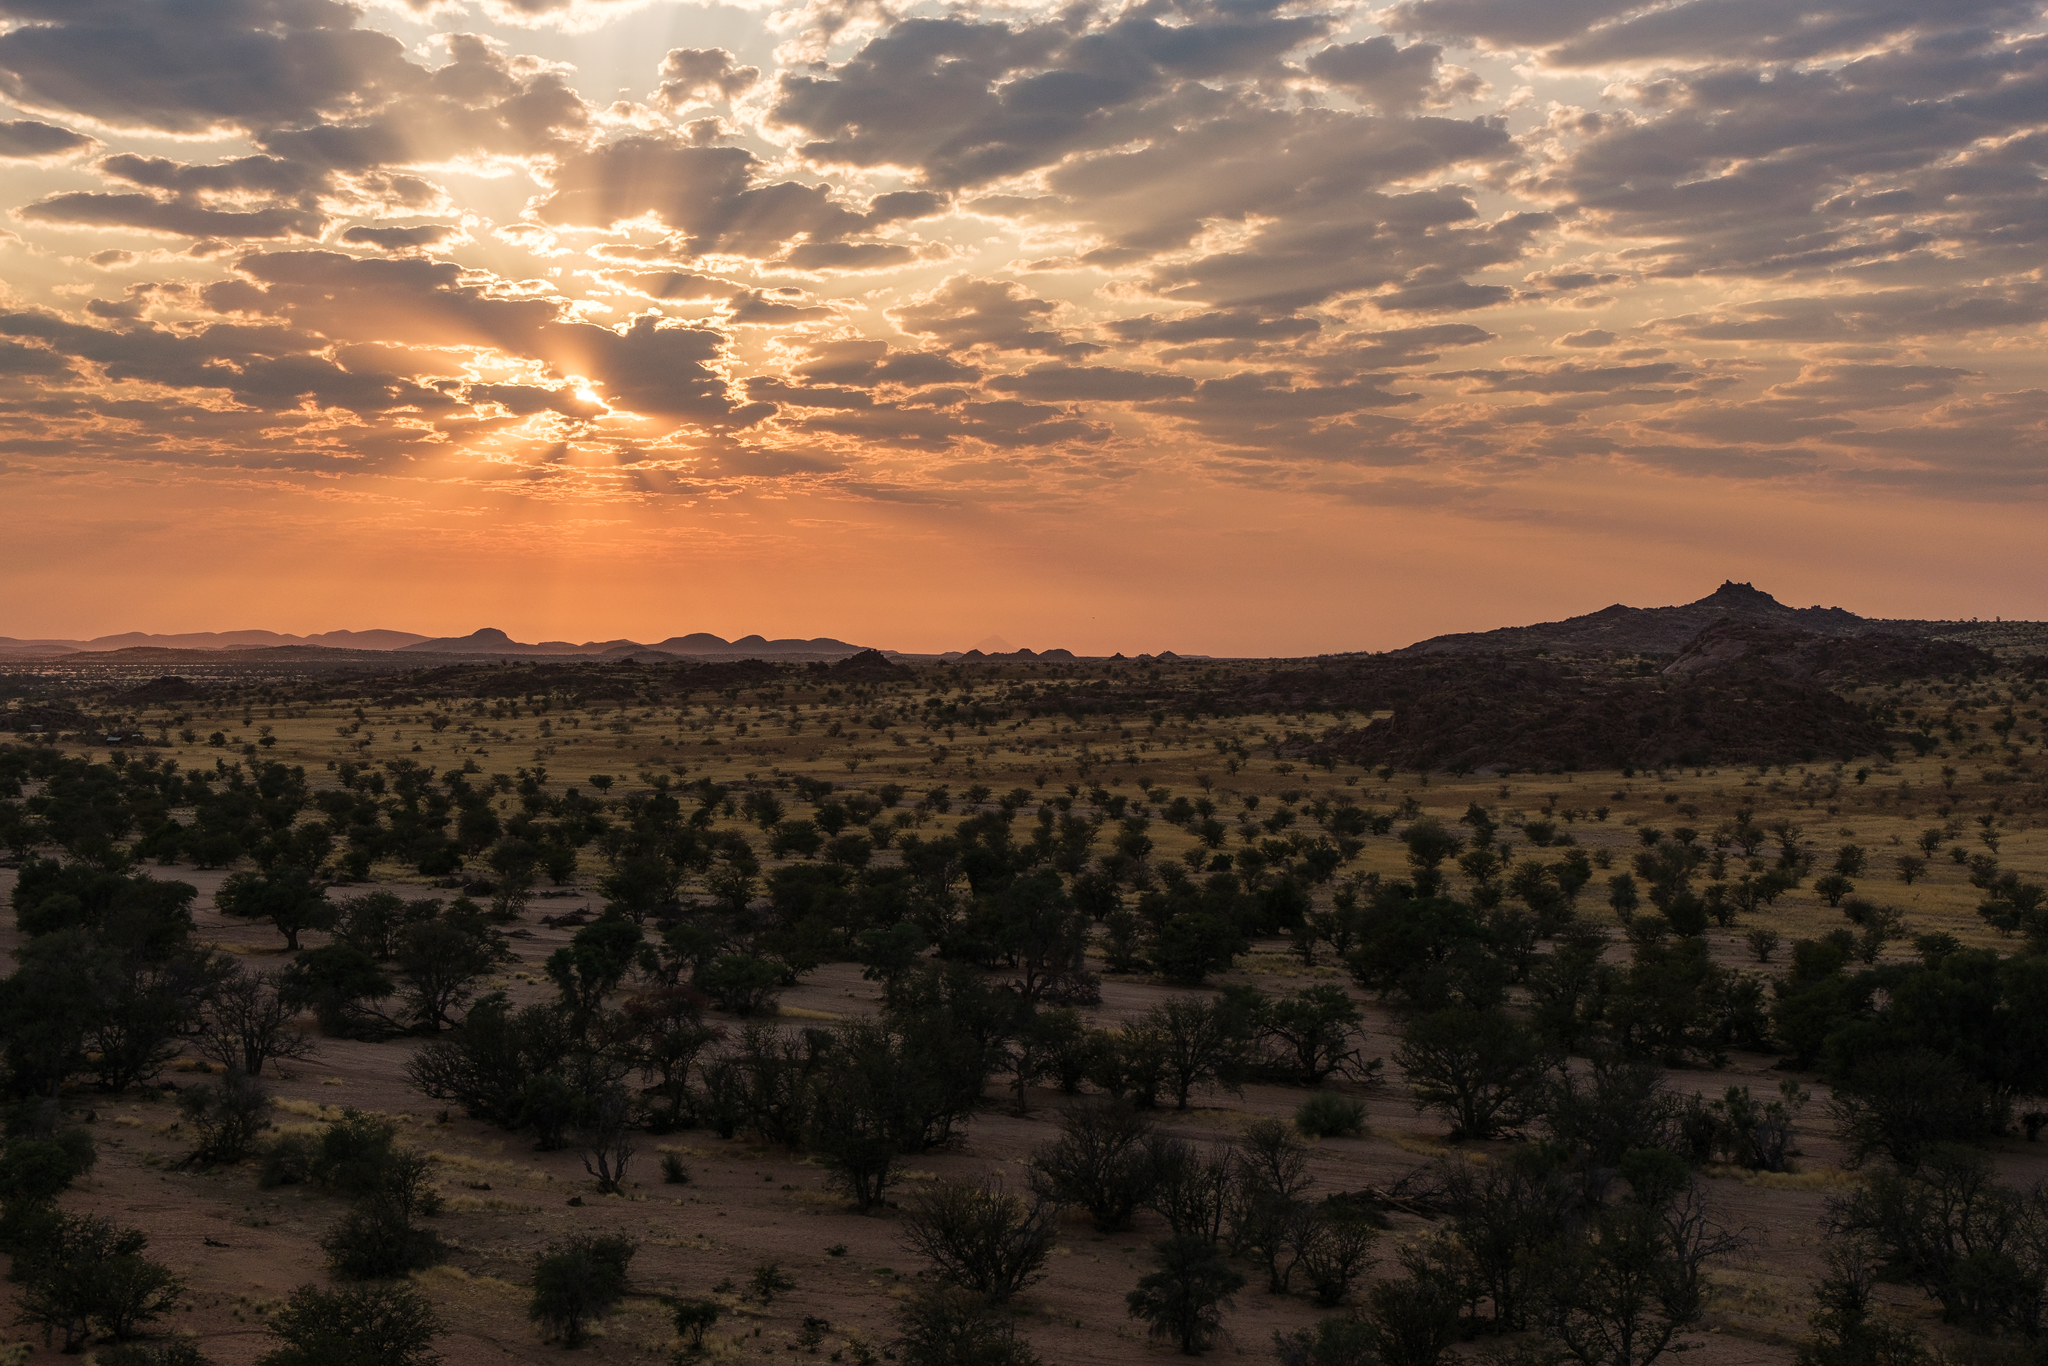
[489,641]
[211,640]
[1666,630]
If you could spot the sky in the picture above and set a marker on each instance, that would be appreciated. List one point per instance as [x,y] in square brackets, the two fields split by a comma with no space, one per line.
[1254,327]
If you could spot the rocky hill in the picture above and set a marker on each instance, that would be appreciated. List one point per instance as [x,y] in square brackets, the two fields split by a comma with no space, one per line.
[1649,630]
[1871,657]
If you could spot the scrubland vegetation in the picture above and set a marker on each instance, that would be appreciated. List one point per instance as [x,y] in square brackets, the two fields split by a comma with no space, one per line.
[1024,1012]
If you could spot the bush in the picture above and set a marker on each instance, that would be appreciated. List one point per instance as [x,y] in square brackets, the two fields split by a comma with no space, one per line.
[1325,1115]
[1413,1321]
[981,1237]
[369,1325]
[768,1281]
[372,1244]
[1099,1163]
[1848,1328]
[1336,1247]
[1184,1299]
[1335,1342]
[1903,1105]
[33,1173]
[393,1186]
[1952,1230]
[175,1353]
[604,1137]
[945,1325]
[693,1319]
[287,1160]
[228,1117]
[91,1275]
[1190,1190]
[354,1153]
[577,1281]
[674,1171]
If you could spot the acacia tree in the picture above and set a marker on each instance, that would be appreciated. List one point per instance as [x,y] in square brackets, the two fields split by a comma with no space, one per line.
[1634,1283]
[1197,1041]
[1478,1066]
[440,961]
[91,1276]
[1184,1299]
[982,1237]
[248,1022]
[286,896]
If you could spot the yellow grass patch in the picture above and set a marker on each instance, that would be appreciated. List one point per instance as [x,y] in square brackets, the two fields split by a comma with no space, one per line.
[486,1204]
[511,1173]
[1814,1179]
[1281,965]
[454,1278]
[803,1013]
[1416,1143]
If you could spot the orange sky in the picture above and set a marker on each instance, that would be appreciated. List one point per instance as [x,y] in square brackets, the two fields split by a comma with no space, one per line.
[1252,329]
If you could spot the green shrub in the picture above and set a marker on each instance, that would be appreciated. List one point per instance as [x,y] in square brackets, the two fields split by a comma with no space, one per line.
[1325,1115]
[393,1186]
[674,1170]
[693,1320]
[982,1237]
[90,1276]
[368,1325]
[175,1353]
[1183,1300]
[577,1281]
[287,1160]
[1334,1342]
[770,1280]
[1099,1162]
[354,1153]
[373,1243]
[227,1117]
[33,1173]
[946,1325]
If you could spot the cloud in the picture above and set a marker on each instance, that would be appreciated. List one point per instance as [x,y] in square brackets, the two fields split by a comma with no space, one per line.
[1880,315]
[965,313]
[166,68]
[1246,243]
[1570,378]
[1091,383]
[707,196]
[860,361]
[1394,79]
[421,237]
[31,140]
[1584,33]
[691,74]
[169,217]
